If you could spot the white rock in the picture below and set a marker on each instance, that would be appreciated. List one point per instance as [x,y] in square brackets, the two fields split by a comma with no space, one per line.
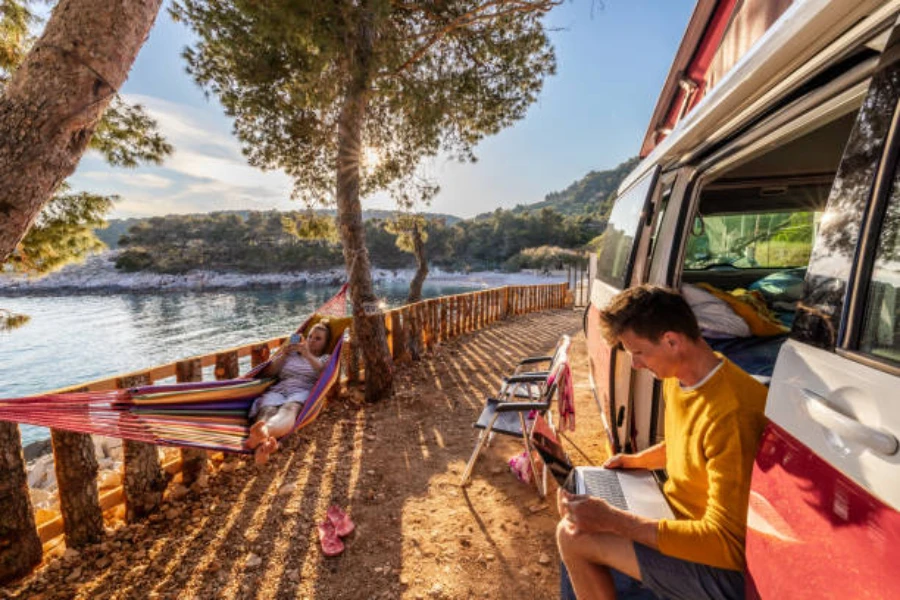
[253,561]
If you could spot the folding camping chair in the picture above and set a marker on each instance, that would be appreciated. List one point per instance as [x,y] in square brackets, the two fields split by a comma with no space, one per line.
[507,414]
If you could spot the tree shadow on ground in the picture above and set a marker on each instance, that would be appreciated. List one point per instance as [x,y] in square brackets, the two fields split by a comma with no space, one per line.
[395,466]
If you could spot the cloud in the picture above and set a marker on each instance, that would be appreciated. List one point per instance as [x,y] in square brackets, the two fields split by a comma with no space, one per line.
[128,178]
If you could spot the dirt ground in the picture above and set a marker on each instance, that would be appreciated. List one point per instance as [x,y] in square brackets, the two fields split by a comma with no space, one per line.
[393,466]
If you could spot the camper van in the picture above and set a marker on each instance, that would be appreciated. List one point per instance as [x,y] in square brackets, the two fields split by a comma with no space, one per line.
[769,192]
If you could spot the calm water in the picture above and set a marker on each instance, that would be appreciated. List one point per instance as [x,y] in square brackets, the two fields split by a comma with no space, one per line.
[74,339]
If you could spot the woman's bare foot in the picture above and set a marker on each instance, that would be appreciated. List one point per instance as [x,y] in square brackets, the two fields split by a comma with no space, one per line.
[264,450]
[259,433]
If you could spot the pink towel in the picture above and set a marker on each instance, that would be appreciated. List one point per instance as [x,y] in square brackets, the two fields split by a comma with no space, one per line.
[566,402]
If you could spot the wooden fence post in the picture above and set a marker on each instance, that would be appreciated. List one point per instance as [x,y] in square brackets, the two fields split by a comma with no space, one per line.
[144,481]
[399,334]
[193,460]
[389,332]
[20,549]
[75,463]
[259,354]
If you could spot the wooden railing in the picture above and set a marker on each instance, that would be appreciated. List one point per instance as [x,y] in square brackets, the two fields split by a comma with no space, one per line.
[412,330]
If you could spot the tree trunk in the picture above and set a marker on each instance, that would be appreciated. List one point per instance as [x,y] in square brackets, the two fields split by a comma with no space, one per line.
[367,315]
[415,286]
[53,101]
[76,466]
[20,546]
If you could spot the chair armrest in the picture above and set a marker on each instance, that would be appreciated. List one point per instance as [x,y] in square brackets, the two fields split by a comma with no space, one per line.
[504,407]
[527,377]
[534,359]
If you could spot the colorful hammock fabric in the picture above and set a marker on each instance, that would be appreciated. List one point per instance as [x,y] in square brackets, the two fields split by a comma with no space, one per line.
[211,415]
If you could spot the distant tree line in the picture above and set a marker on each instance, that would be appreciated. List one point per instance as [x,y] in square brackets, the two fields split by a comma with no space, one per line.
[254,242]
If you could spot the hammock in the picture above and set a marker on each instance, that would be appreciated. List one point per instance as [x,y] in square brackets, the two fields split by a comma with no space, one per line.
[210,415]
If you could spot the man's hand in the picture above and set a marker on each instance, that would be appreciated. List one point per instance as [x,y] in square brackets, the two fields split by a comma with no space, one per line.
[618,461]
[589,514]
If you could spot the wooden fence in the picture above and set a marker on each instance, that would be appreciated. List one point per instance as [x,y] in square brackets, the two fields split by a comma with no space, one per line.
[412,330]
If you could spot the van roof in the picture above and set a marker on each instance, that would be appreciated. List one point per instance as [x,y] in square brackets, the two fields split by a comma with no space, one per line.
[800,43]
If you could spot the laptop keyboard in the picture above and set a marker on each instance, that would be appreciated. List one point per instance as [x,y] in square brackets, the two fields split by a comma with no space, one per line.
[605,484]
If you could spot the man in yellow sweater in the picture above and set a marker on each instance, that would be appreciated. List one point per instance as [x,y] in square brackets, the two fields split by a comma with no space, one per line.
[713,420]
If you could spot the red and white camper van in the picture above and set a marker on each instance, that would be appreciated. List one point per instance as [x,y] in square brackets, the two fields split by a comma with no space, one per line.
[771,165]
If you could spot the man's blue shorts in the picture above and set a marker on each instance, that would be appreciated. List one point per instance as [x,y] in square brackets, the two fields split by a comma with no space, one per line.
[669,578]
[676,579]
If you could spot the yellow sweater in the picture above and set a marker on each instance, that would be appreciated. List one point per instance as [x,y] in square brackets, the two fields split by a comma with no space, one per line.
[712,433]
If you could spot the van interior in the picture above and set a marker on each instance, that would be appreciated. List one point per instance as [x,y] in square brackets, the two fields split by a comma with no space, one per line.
[750,243]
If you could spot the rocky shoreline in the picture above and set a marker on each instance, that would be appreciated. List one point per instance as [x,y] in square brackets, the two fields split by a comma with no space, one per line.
[98,274]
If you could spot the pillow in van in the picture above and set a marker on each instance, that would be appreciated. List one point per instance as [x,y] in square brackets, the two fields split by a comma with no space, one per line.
[751,306]
[783,286]
[715,316]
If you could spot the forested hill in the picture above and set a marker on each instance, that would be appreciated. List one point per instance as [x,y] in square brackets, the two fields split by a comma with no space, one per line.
[590,195]
[116,228]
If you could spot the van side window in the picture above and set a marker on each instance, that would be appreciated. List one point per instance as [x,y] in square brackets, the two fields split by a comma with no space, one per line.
[880,335]
[614,257]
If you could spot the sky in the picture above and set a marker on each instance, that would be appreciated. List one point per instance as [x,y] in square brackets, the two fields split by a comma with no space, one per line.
[612,60]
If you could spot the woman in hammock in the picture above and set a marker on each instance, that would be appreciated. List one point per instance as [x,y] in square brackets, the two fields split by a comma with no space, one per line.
[297,367]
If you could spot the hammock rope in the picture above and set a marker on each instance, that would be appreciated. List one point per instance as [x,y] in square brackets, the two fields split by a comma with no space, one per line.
[210,415]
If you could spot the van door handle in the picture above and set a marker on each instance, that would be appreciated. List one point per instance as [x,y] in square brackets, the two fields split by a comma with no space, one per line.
[848,428]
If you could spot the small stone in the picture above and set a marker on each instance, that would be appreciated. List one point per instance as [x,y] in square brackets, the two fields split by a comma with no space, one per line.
[544,558]
[71,554]
[286,489]
[172,514]
[370,472]
[103,562]
[253,561]
[155,518]
[496,470]
[178,492]
[293,575]
[214,567]
[535,508]
[74,575]
[404,580]
[371,437]
[489,557]
[436,591]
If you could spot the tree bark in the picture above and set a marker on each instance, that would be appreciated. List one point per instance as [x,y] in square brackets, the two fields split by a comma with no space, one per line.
[54,100]
[367,315]
[20,546]
[76,468]
[415,286]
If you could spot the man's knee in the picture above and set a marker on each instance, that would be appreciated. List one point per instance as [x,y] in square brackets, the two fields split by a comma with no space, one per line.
[566,539]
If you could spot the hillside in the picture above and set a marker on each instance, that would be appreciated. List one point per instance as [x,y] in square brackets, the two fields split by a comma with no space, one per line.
[116,228]
[592,194]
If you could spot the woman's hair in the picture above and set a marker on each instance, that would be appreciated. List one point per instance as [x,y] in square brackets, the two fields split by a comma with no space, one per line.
[323,325]
[649,311]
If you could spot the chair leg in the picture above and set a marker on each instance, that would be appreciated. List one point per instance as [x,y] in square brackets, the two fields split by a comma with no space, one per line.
[479,445]
[541,489]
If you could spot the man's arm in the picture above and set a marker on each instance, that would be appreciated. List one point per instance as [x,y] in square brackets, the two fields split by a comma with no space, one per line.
[652,458]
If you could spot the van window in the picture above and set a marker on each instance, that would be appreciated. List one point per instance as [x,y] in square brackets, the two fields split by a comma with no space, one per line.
[747,241]
[880,335]
[614,257]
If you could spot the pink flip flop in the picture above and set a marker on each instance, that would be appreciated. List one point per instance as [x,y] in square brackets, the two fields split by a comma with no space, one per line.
[343,526]
[331,543]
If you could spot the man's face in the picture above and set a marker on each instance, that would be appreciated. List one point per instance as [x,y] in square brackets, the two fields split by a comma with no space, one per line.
[660,357]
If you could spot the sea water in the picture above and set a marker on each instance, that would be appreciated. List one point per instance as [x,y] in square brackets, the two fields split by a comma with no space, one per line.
[78,338]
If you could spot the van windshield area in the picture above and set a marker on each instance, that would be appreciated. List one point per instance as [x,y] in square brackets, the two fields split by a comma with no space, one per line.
[768,240]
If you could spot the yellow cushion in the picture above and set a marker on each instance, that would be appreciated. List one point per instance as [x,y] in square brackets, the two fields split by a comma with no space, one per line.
[337,325]
[751,307]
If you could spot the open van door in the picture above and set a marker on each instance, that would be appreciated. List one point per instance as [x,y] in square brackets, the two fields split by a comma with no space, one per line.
[610,370]
[823,518]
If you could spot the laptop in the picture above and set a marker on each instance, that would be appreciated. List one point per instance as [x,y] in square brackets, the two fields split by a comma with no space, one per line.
[635,491]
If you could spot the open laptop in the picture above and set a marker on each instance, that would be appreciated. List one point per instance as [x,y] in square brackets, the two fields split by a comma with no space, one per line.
[634,491]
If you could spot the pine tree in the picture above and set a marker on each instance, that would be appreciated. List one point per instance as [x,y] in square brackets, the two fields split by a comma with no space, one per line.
[316,87]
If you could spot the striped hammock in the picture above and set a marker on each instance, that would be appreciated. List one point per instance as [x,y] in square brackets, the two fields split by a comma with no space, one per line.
[211,415]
